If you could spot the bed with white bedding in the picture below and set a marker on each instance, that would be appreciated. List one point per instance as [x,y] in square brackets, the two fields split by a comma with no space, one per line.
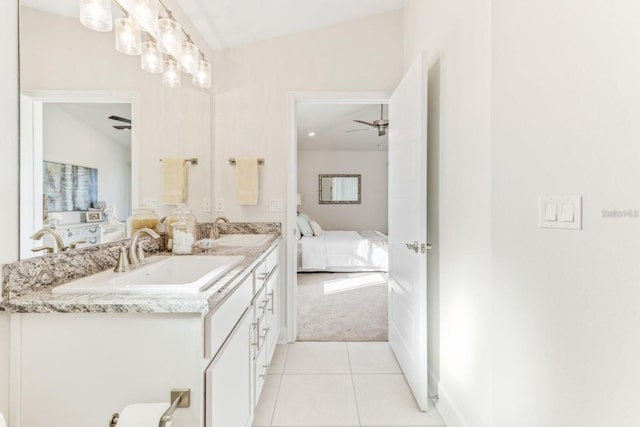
[343,251]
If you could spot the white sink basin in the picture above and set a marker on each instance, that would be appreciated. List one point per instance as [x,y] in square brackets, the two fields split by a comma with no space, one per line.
[243,239]
[161,274]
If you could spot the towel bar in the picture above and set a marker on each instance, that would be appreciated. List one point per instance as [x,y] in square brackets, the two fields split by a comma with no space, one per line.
[193,161]
[180,398]
[232,161]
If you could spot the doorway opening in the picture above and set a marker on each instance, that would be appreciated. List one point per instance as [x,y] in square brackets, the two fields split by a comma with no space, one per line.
[341,227]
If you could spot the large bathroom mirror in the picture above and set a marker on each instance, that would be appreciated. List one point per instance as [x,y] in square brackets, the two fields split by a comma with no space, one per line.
[94,127]
[339,189]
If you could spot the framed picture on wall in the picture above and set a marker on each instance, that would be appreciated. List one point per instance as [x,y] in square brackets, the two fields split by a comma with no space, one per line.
[94,216]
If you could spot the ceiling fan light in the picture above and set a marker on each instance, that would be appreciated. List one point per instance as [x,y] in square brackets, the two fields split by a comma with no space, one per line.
[169,36]
[127,36]
[188,57]
[145,12]
[151,58]
[96,15]
[171,76]
[202,75]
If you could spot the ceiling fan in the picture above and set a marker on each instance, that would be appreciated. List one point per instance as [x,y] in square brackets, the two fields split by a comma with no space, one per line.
[121,119]
[381,124]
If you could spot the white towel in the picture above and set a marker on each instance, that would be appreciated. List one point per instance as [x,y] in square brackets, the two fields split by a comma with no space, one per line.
[247,181]
[174,178]
[3,423]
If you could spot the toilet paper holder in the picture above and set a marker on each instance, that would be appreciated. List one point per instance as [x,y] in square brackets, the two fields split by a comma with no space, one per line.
[180,398]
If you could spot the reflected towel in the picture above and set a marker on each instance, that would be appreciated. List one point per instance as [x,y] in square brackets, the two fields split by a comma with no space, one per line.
[247,181]
[174,178]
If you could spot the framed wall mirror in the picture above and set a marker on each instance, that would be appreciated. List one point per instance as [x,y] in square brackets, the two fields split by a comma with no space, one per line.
[339,189]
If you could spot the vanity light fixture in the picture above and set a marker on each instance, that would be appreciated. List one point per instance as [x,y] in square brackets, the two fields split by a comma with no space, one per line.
[164,36]
[151,59]
[171,76]
[145,13]
[169,32]
[188,57]
[127,36]
[96,15]
[202,75]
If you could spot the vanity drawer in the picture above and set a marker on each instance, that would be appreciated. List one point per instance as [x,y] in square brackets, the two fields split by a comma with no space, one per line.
[220,323]
[265,270]
[271,261]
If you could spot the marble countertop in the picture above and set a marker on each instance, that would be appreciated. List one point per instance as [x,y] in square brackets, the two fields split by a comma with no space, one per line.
[43,301]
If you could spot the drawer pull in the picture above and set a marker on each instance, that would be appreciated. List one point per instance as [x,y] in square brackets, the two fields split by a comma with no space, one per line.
[266,332]
[262,276]
[271,297]
[266,369]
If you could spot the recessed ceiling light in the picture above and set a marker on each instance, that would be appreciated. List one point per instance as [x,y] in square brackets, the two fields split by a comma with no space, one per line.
[311,134]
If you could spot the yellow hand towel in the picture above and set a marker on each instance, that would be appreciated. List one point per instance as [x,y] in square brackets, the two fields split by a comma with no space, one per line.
[174,178]
[247,181]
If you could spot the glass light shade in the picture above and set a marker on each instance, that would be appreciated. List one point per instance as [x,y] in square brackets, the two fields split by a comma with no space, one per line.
[188,57]
[145,12]
[151,58]
[169,36]
[202,75]
[96,14]
[171,73]
[127,37]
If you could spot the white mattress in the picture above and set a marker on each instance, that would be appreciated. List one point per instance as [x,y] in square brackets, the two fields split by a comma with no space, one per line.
[339,251]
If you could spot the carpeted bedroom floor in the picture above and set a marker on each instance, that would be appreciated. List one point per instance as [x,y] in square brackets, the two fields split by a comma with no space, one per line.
[342,306]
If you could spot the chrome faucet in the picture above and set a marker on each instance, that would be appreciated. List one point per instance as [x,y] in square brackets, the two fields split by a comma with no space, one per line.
[56,237]
[136,252]
[216,229]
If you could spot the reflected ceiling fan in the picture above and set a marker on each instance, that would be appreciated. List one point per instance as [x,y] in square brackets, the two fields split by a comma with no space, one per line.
[381,124]
[121,119]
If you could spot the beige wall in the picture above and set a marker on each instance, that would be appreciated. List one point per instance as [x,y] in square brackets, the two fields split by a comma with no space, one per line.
[457,33]
[58,53]
[566,100]
[252,83]
[371,214]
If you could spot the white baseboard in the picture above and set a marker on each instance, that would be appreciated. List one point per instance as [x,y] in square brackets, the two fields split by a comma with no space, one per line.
[449,412]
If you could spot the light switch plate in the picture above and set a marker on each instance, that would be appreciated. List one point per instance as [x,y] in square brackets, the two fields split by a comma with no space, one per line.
[276,205]
[567,209]
[206,205]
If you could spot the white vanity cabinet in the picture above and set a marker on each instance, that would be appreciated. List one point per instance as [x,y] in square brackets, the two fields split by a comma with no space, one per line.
[106,361]
[266,319]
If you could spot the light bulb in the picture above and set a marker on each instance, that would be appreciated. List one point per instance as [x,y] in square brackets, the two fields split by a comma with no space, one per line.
[151,58]
[96,15]
[202,75]
[127,37]
[188,58]
[169,36]
[145,12]
[171,74]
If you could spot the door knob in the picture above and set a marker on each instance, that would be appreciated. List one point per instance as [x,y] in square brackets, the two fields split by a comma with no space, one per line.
[415,246]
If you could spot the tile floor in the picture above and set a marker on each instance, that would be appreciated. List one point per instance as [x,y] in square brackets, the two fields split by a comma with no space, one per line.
[345,384]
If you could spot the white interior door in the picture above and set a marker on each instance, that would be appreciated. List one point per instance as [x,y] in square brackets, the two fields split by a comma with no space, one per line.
[408,228]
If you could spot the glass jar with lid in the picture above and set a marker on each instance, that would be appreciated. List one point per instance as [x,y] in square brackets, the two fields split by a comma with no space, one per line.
[181,211]
[184,237]
[142,218]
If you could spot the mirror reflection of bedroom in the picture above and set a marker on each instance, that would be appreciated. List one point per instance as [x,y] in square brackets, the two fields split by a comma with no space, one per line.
[342,222]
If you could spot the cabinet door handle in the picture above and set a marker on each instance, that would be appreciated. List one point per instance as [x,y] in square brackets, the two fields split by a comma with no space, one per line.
[266,369]
[266,331]
[272,302]
[262,276]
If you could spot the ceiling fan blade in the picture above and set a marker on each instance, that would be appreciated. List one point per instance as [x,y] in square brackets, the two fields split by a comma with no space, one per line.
[357,130]
[120,119]
[122,127]
[365,123]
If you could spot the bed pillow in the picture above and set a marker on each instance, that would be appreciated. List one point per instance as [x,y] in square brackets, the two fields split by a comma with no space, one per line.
[317,230]
[304,226]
